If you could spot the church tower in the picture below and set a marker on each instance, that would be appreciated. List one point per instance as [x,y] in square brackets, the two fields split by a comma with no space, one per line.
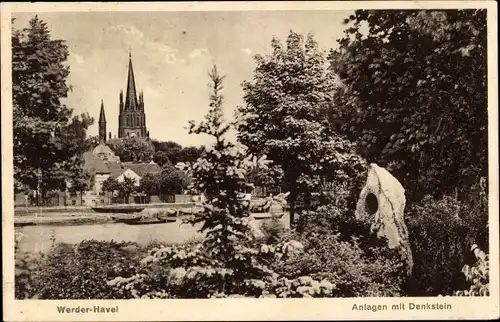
[102,125]
[132,119]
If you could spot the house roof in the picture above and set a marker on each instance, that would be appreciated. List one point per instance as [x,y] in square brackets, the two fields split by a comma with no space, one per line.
[94,165]
[142,168]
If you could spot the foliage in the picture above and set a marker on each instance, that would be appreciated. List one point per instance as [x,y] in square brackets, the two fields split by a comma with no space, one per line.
[149,184]
[25,266]
[41,122]
[169,181]
[226,262]
[110,185]
[126,187]
[342,249]
[81,271]
[132,149]
[80,181]
[284,117]
[414,96]
[173,153]
[441,233]
[478,277]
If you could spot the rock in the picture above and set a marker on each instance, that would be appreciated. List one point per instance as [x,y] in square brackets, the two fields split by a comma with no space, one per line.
[382,202]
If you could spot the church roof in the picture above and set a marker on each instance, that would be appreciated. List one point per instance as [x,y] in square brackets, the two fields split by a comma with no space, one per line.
[131,95]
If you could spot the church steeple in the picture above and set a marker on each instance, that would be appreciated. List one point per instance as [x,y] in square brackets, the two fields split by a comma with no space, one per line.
[131,103]
[132,117]
[102,124]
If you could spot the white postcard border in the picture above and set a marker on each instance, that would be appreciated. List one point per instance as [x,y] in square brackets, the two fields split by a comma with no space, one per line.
[244,309]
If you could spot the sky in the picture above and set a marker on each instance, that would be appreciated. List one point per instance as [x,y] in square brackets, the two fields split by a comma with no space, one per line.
[172,53]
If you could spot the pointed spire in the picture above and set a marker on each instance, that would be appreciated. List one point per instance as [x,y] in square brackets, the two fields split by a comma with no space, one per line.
[131,95]
[102,116]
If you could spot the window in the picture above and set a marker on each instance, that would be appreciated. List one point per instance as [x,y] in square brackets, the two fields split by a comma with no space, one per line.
[128,121]
[138,121]
[73,202]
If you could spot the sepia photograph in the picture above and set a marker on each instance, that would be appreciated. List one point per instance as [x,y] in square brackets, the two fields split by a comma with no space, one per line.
[343,153]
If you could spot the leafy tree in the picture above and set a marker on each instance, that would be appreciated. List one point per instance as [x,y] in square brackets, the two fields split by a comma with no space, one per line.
[166,145]
[41,122]
[126,188]
[80,181]
[172,152]
[414,94]
[110,185]
[172,180]
[150,184]
[93,141]
[190,154]
[132,149]
[284,117]
[161,157]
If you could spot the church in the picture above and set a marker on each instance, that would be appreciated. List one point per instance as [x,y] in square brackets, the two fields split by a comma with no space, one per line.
[102,162]
[132,117]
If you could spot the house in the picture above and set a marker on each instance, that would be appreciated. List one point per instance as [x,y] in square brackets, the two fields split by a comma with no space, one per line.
[102,163]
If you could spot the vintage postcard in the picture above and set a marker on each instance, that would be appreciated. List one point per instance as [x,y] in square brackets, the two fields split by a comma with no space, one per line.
[188,161]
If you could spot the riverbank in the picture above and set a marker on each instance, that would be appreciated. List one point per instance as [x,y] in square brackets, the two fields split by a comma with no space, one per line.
[23,211]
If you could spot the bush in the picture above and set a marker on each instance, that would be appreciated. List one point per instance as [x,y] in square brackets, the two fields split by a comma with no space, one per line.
[478,278]
[441,234]
[341,249]
[79,271]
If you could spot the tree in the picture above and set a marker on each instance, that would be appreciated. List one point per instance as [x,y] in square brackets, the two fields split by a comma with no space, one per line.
[80,181]
[190,154]
[150,184]
[41,122]
[284,117]
[126,188]
[172,180]
[172,152]
[110,185]
[132,149]
[93,141]
[414,94]
[161,157]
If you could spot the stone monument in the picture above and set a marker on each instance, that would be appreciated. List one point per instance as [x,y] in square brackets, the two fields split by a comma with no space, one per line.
[382,202]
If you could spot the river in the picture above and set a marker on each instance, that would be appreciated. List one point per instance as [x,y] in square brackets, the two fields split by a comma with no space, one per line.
[39,238]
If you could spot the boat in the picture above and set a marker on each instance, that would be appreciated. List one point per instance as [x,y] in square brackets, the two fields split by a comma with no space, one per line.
[125,217]
[266,215]
[118,209]
[24,223]
[150,221]
[171,213]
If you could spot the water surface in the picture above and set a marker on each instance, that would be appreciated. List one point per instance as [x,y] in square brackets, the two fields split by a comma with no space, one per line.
[38,238]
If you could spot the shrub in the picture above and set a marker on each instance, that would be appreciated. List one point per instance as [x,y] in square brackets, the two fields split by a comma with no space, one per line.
[478,278]
[25,265]
[341,249]
[81,271]
[441,233]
